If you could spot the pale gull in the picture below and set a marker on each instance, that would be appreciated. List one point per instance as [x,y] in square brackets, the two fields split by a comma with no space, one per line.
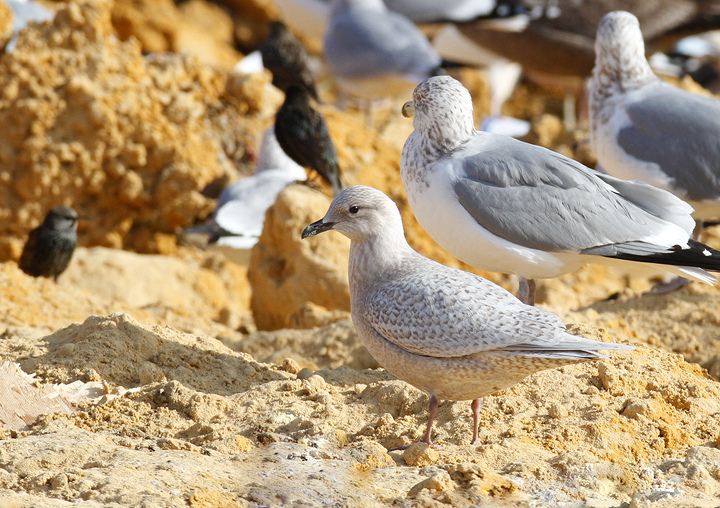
[506,206]
[445,331]
[240,210]
[374,53]
[644,128]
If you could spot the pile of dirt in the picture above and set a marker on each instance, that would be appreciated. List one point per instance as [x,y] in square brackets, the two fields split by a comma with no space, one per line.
[639,425]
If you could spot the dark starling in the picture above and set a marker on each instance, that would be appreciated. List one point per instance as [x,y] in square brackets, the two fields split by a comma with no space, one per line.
[303,135]
[50,246]
[285,57]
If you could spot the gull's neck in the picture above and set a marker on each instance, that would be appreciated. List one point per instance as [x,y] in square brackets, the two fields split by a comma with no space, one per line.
[620,65]
[435,136]
[375,258]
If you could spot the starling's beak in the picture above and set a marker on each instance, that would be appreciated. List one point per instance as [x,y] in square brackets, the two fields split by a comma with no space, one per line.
[316,228]
[408,109]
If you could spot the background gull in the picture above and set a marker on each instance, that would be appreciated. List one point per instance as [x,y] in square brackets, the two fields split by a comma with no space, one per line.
[558,38]
[445,331]
[240,210]
[555,45]
[644,128]
[506,206]
[303,135]
[374,53]
[310,17]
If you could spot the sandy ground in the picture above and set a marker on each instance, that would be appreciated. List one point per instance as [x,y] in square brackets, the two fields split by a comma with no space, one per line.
[148,384]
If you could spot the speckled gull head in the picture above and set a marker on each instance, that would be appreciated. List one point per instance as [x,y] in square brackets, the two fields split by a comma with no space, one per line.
[443,111]
[361,213]
[620,52]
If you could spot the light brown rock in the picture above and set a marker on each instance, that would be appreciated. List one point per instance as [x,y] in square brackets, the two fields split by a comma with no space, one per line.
[439,482]
[6,24]
[122,138]
[286,272]
[198,27]
[212,286]
[420,454]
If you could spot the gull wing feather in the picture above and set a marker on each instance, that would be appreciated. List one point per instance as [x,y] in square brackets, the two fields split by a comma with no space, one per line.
[539,199]
[678,131]
[443,312]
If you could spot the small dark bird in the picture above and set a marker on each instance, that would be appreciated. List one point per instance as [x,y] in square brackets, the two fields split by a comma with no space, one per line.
[285,57]
[50,246]
[303,135]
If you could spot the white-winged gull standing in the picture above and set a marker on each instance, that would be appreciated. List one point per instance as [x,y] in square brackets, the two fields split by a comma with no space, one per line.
[506,206]
[445,331]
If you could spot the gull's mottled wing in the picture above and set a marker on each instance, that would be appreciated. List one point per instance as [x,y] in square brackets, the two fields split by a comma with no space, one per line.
[443,312]
[367,43]
[680,132]
[539,199]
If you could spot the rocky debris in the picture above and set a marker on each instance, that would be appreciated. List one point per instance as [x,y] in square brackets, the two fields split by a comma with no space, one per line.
[209,295]
[327,347]
[683,321]
[638,426]
[286,272]
[210,285]
[89,122]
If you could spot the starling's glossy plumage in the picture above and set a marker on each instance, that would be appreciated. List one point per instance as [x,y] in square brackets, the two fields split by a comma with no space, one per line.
[286,58]
[50,246]
[303,135]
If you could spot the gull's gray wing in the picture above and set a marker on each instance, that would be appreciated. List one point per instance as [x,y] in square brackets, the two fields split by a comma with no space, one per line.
[680,132]
[540,199]
[365,43]
[432,310]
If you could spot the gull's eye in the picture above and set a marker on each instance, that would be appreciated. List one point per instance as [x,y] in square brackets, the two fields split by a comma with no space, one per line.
[354,209]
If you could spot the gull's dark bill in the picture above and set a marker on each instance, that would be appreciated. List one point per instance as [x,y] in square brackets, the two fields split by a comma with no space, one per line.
[316,228]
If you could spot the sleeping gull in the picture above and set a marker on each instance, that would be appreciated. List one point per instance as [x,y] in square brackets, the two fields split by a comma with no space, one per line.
[374,53]
[445,331]
[240,210]
[644,128]
[506,206]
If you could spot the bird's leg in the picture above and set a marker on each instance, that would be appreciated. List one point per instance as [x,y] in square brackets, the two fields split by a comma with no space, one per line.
[475,406]
[431,418]
[526,291]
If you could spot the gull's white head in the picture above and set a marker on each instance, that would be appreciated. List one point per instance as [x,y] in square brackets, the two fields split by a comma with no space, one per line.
[620,52]
[443,112]
[360,213]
